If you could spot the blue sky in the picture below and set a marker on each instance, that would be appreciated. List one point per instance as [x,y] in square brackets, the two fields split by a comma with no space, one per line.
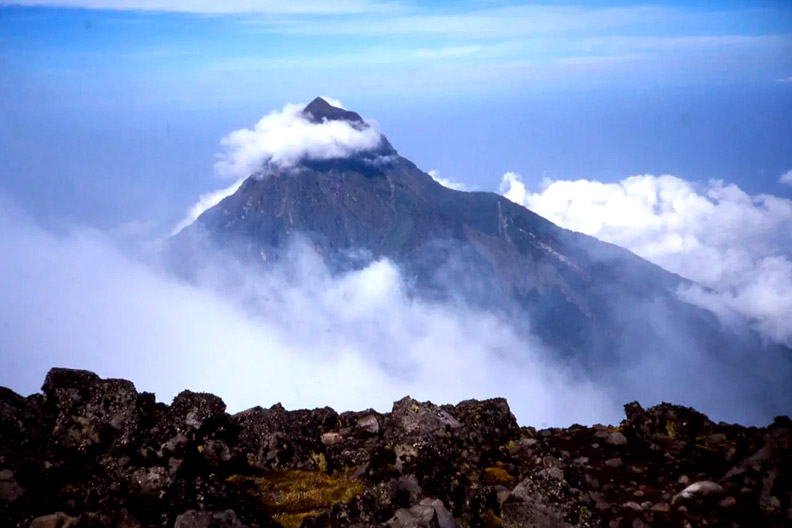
[113,109]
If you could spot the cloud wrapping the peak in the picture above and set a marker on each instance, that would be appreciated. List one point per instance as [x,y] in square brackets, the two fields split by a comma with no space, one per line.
[284,137]
[737,246]
[291,333]
[281,138]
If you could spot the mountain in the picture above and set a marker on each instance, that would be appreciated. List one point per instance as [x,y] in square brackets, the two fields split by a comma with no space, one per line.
[91,452]
[592,302]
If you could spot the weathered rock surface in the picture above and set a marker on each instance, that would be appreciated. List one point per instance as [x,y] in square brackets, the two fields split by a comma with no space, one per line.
[90,452]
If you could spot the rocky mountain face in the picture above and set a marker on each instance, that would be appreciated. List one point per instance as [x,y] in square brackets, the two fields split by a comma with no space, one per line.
[92,452]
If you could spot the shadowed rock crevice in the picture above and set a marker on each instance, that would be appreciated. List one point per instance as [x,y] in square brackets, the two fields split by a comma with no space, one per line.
[95,452]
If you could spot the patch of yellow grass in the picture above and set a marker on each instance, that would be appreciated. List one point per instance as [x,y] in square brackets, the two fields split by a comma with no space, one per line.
[496,475]
[293,495]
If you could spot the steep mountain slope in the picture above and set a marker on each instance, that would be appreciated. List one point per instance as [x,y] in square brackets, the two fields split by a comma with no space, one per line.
[591,301]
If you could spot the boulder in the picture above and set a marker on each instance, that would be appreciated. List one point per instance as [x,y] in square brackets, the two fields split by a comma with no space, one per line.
[429,513]
[205,519]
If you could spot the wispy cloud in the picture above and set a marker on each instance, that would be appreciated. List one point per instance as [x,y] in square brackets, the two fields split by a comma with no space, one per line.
[447,182]
[488,23]
[785,79]
[392,45]
[281,7]
[786,178]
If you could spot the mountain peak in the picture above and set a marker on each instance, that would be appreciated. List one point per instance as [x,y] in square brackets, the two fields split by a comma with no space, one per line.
[320,110]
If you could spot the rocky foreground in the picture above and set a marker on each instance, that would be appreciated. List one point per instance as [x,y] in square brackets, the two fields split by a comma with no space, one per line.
[94,452]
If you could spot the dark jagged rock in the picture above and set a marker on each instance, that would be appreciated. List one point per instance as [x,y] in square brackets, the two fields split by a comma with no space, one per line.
[94,452]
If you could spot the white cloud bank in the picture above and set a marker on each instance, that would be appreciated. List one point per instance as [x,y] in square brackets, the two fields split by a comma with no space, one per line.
[293,333]
[738,246]
[281,138]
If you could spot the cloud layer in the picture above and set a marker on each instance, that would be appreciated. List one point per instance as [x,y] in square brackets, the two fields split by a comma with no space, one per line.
[737,246]
[293,333]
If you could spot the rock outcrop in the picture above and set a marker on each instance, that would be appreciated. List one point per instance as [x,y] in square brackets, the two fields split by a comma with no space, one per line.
[95,452]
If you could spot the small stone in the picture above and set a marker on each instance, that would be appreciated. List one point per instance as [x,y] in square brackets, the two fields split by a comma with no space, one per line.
[638,493]
[153,479]
[632,505]
[616,439]
[428,513]
[770,505]
[638,523]
[601,434]
[10,490]
[550,461]
[127,520]
[206,519]
[613,462]
[728,502]
[6,474]
[684,480]
[599,502]
[552,473]
[55,520]
[661,507]
[331,438]
[699,489]
[369,424]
